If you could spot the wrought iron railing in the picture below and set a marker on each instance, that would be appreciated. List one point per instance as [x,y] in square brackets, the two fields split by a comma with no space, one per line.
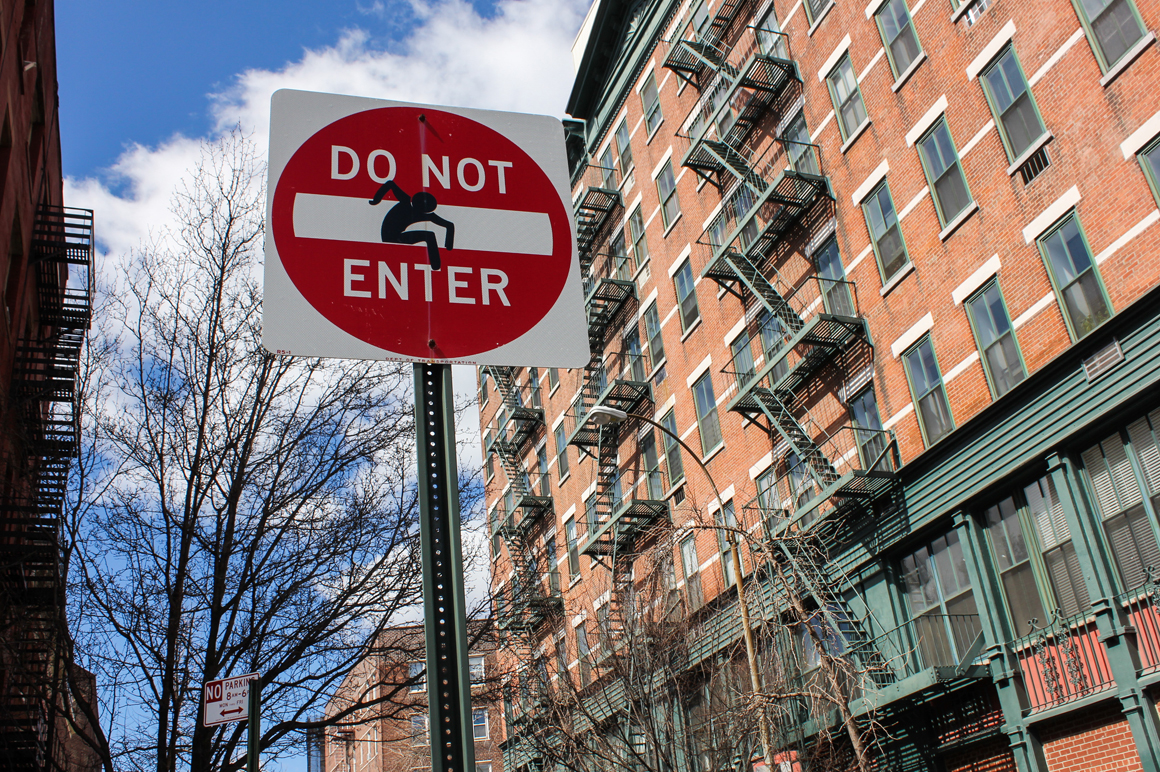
[597,176]
[1062,661]
[609,266]
[928,641]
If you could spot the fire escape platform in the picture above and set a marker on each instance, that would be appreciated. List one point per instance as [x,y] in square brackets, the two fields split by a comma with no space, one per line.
[604,301]
[620,394]
[592,210]
[616,534]
[825,335]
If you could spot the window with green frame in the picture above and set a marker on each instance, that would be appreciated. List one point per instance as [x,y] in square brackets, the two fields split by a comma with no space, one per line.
[836,297]
[868,429]
[561,441]
[942,602]
[652,331]
[930,395]
[650,100]
[1113,27]
[848,104]
[726,518]
[902,46]
[623,148]
[815,9]
[1074,276]
[944,173]
[1124,474]
[686,296]
[672,448]
[885,232]
[1150,161]
[1012,103]
[707,421]
[667,191]
[636,235]
[998,347]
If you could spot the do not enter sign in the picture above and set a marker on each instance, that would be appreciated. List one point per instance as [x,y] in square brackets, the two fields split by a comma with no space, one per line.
[400,231]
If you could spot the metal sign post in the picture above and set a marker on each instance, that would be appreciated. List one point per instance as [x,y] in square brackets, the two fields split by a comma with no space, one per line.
[448,680]
[255,703]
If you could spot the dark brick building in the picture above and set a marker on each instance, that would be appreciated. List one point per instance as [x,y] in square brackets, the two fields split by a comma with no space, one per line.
[47,285]
[891,270]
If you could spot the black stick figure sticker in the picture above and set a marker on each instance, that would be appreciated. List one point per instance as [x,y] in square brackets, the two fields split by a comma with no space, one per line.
[409,211]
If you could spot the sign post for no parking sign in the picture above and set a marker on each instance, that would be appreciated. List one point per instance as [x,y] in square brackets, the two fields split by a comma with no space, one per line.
[435,235]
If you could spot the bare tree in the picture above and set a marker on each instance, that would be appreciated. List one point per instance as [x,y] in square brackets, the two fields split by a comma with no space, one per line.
[235,511]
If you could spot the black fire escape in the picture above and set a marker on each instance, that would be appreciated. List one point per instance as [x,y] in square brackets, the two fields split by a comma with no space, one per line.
[44,410]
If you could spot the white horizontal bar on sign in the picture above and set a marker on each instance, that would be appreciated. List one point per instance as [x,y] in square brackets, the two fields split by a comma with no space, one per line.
[343,218]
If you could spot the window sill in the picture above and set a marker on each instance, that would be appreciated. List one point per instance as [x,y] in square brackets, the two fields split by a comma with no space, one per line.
[905,76]
[673,224]
[712,453]
[575,580]
[854,136]
[961,11]
[1026,156]
[902,273]
[954,224]
[657,366]
[560,483]
[1127,59]
[552,391]
[653,133]
[821,17]
[691,330]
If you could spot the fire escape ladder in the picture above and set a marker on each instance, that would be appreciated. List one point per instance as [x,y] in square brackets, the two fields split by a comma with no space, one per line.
[807,451]
[754,280]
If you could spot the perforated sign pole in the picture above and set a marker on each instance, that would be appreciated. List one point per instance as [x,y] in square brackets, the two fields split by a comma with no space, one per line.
[448,682]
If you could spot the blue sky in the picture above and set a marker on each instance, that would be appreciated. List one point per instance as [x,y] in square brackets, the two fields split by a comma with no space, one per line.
[139,71]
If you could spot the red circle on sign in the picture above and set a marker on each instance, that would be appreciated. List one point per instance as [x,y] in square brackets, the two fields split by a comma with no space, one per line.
[328,238]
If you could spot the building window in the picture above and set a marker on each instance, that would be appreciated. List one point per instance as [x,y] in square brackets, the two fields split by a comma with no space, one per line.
[800,148]
[667,190]
[561,451]
[836,295]
[672,448]
[582,653]
[773,339]
[1012,104]
[848,105]
[562,656]
[477,669]
[624,148]
[996,339]
[885,233]
[573,549]
[654,480]
[1114,26]
[1150,161]
[944,173]
[691,567]
[483,391]
[490,464]
[815,9]
[1013,559]
[770,41]
[652,331]
[483,767]
[726,518]
[898,35]
[650,100]
[1121,503]
[636,233]
[707,421]
[479,723]
[742,360]
[419,729]
[942,604]
[417,675]
[686,296]
[1075,278]
[553,378]
[607,170]
[868,429]
[930,396]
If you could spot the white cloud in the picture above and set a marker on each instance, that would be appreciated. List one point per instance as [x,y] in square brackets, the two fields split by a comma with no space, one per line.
[518,59]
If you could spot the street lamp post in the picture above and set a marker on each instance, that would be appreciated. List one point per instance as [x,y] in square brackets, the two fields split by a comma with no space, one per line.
[604,416]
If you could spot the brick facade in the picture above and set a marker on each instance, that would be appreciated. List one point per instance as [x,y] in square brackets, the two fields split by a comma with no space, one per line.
[995,239]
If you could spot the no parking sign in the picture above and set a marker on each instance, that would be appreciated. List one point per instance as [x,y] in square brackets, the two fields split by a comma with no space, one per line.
[402,231]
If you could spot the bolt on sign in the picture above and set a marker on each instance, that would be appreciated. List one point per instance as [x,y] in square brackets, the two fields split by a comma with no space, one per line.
[418,233]
[227,700]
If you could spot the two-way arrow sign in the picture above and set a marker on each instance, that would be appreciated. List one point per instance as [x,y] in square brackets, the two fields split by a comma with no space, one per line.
[227,700]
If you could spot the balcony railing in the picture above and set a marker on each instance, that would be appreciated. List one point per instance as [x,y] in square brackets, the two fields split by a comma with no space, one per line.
[619,383]
[596,198]
[931,641]
[688,56]
[1063,661]
[634,502]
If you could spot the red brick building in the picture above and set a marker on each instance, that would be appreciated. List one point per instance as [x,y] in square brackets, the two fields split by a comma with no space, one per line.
[394,736]
[47,284]
[891,271]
